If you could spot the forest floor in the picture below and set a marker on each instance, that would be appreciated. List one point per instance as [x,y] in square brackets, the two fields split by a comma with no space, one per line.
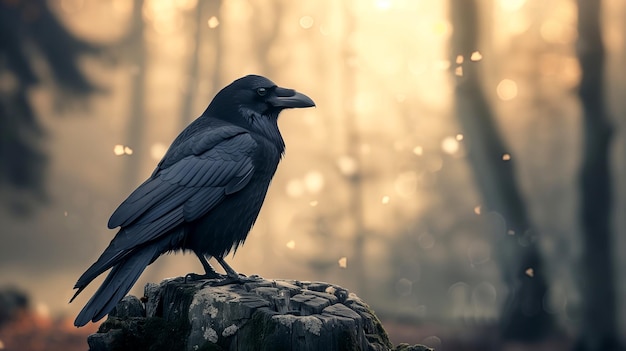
[31,332]
[456,338]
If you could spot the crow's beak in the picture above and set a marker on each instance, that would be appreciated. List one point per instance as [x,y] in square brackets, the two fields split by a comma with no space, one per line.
[289,98]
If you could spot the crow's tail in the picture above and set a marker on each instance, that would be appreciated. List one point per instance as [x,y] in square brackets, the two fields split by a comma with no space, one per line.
[117,284]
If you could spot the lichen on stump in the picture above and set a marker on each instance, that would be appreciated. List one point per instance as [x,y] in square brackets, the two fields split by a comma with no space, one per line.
[259,315]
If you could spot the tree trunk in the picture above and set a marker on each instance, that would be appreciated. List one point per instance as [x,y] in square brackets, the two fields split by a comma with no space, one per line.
[135,137]
[264,40]
[599,322]
[523,317]
[353,143]
[193,68]
[258,315]
[215,35]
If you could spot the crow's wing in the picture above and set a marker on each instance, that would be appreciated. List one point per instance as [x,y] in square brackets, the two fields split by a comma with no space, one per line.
[197,143]
[191,179]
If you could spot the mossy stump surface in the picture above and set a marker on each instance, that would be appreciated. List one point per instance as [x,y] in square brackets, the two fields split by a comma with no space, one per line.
[259,315]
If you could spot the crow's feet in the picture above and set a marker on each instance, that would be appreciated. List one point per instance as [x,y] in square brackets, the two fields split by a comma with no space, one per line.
[232,279]
[193,277]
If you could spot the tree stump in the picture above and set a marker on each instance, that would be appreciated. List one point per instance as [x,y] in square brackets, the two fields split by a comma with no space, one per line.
[258,315]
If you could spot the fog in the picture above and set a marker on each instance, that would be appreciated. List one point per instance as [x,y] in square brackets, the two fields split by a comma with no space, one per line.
[376,192]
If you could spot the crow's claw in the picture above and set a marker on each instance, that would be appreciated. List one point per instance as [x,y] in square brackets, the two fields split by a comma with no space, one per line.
[229,279]
[191,277]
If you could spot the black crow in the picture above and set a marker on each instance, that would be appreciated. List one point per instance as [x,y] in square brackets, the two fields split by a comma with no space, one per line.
[204,195]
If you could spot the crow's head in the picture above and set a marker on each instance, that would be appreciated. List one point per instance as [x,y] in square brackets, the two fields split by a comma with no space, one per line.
[256,95]
[255,102]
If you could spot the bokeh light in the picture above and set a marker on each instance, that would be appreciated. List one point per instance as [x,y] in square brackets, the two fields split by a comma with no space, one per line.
[507,89]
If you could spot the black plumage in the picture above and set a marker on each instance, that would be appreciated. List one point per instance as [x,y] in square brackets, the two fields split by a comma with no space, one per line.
[204,195]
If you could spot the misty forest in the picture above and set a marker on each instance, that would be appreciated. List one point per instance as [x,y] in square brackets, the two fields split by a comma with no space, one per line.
[463,171]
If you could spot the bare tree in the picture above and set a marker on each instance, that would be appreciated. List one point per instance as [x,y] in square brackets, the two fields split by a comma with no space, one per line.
[193,67]
[264,40]
[218,46]
[205,13]
[353,142]
[135,136]
[523,317]
[599,322]
[31,32]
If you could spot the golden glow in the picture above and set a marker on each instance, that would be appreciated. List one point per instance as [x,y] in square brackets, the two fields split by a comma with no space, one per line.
[450,145]
[442,28]
[186,5]
[418,150]
[239,10]
[405,184]
[477,210]
[314,181]
[554,31]
[511,5]
[118,150]
[324,30]
[347,165]
[507,90]
[123,7]
[442,65]
[157,151]
[164,16]
[398,153]
[476,56]
[570,72]
[434,163]
[519,24]
[384,127]
[343,262]
[306,22]
[506,157]
[213,22]
[383,4]
[42,310]
[416,68]
[365,148]
[295,188]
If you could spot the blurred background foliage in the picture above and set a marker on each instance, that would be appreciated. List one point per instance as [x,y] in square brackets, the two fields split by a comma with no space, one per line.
[439,176]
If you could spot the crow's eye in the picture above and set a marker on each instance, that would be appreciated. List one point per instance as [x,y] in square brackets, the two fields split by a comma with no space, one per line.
[261,91]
